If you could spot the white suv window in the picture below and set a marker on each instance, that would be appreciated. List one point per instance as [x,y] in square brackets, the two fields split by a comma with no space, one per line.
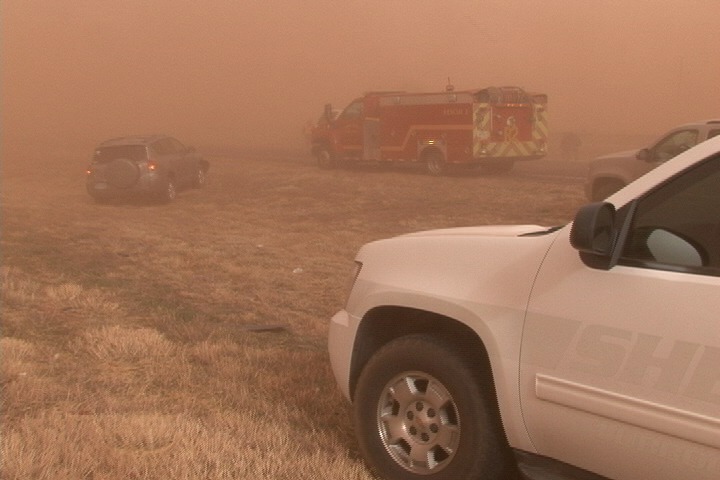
[677,226]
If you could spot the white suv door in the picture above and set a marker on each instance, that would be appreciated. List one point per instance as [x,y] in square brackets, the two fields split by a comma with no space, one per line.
[620,367]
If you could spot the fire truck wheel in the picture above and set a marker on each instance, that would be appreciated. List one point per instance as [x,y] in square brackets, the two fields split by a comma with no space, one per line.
[326,159]
[435,162]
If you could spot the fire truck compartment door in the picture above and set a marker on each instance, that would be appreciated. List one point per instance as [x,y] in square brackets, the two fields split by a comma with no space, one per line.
[371,139]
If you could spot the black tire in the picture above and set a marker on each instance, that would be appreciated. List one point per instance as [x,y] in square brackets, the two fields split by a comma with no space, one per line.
[605,188]
[325,159]
[420,412]
[169,191]
[435,163]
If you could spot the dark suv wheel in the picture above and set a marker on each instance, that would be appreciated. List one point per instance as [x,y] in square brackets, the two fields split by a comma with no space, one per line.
[169,192]
[123,173]
[200,177]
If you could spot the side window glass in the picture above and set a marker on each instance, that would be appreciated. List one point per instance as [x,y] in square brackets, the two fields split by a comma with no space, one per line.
[175,145]
[354,110]
[160,147]
[167,146]
[675,144]
[677,226]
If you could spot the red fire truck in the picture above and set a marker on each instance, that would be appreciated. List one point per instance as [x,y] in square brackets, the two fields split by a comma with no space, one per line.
[491,128]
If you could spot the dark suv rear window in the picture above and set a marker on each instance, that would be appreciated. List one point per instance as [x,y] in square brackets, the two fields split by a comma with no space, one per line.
[108,154]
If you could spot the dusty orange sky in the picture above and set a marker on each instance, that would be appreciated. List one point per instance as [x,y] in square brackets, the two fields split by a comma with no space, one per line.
[251,73]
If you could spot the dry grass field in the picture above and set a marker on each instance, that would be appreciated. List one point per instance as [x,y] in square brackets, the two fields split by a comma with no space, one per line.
[132,338]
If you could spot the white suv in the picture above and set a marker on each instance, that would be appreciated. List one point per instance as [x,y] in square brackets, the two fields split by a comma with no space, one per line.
[585,351]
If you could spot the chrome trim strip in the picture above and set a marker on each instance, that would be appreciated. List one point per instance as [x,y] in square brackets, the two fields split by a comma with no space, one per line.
[640,413]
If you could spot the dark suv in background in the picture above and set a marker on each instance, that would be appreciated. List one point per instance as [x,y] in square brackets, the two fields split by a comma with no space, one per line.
[610,173]
[152,165]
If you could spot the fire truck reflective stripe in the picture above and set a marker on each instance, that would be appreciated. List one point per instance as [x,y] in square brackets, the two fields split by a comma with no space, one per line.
[483,148]
[502,149]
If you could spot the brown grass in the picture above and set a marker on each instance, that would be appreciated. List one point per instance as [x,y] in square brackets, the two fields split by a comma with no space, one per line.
[129,347]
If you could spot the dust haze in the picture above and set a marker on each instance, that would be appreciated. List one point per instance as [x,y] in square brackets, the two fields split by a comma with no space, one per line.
[251,73]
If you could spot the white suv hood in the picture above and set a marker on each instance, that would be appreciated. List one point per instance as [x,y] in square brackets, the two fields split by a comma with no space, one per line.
[483,231]
[464,264]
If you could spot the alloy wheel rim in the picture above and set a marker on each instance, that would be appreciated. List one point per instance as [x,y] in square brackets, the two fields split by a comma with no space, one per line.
[418,422]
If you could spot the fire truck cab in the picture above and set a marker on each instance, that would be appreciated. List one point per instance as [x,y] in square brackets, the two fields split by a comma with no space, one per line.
[490,128]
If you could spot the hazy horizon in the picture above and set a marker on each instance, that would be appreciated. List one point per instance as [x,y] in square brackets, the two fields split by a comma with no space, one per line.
[252,73]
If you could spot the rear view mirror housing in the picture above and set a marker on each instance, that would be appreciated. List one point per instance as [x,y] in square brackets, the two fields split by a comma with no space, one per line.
[593,230]
[644,155]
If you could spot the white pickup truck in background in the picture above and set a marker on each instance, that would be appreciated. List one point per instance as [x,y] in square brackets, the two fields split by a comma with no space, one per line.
[610,173]
[586,351]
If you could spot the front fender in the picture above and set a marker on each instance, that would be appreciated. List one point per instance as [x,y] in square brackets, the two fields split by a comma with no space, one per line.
[481,282]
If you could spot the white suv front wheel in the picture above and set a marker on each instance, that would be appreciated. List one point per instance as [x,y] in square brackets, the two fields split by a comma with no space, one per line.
[420,413]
